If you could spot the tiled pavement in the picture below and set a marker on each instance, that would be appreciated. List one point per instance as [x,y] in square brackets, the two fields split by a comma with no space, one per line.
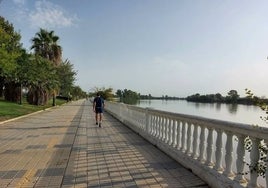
[62,147]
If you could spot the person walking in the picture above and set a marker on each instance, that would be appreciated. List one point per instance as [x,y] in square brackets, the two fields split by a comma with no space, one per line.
[98,105]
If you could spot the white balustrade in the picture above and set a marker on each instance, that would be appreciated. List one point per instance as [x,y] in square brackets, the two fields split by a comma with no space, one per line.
[212,149]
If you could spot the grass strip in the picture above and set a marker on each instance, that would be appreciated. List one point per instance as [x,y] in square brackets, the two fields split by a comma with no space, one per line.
[9,110]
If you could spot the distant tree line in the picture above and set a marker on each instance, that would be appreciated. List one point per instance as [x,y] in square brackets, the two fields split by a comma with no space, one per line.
[40,75]
[232,97]
[131,97]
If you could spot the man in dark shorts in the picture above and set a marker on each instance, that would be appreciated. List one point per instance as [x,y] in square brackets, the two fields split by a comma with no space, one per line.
[98,105]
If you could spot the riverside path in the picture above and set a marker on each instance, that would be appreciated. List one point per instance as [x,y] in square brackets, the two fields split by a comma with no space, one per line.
[62,147]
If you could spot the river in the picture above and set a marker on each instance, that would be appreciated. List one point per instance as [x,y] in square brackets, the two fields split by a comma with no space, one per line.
[239,113]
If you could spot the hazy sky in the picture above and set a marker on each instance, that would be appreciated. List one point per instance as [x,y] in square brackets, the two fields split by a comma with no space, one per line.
[157,47]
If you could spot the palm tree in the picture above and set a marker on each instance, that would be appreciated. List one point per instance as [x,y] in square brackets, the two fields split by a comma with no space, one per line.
[45,44]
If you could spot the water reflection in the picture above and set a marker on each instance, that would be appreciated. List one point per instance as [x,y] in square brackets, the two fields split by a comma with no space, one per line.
[232,108]
[131,101]
[218,106]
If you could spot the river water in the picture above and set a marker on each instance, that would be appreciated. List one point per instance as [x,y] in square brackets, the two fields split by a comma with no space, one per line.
[239,113]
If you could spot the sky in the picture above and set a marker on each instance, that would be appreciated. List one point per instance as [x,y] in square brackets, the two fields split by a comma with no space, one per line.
[158,47]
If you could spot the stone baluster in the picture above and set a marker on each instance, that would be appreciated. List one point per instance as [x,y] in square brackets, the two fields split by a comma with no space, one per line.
[161,128]
[167,130]
[149,122]
[155,125]
[202,145]
[254,158]
[140,120]
[178,134]
[183,136]
[209,161]
[135,117]
[158,126]
[152,125]
[144,122]
[195,142]
[163,124]
[240,159]
[218,165]
[170,126]
[189,138]
[164,129]
[173,143]
[229,155]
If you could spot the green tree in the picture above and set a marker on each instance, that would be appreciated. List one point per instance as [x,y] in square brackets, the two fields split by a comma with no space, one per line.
[10,51]
[106,93]
[42,79]
[77,93]
[119,94]
[232,96]
[66,75]
[130,97]
[218,97]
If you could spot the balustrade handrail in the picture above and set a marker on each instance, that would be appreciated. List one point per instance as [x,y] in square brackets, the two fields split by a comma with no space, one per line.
[213,149]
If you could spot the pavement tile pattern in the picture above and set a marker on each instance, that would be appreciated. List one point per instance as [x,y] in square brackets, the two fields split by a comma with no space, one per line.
[62,147]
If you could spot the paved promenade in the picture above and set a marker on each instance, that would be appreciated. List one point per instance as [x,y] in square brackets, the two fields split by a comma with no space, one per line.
[62,147]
